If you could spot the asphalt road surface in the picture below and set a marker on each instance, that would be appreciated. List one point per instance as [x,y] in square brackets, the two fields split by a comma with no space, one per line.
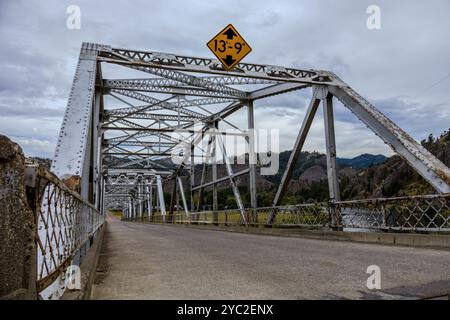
[143,261]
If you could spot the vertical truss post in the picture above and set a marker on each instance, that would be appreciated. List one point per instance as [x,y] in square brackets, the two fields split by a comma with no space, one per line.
[192,173]
[96,147]
[133,209]
[149,200]
[330,141]
[129,209]
[103,195]
[130,212]
[252,160]
[173,199]
[158,205]
[136,211]
[144,200]
[162,206]
[298,145]
[214,175]
[101,204]
[140,203]
[332,174]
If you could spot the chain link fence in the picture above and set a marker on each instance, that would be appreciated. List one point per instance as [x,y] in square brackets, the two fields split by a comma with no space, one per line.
[65,223]
[412,213]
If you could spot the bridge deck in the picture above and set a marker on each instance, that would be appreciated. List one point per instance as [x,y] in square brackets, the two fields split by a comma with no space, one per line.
[141,261]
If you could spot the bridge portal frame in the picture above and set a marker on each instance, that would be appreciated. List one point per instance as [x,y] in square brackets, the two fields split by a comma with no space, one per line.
[83,149]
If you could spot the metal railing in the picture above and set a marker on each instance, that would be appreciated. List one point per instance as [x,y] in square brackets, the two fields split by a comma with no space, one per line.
[412,213]
[314,215]
[65,223]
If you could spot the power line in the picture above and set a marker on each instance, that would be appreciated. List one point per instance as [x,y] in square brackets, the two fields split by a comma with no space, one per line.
[432,86]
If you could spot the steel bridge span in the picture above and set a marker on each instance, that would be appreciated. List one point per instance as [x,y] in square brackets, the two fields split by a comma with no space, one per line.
[124,138]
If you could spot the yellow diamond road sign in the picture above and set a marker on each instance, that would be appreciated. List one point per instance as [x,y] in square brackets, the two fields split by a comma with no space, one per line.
[229,47]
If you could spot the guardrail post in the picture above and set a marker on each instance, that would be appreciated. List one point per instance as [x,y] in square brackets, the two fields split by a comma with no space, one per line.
[335,216]
[271,217]
[249,216]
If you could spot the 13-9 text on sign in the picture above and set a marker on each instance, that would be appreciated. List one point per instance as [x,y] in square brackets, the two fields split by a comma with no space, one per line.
[229,47]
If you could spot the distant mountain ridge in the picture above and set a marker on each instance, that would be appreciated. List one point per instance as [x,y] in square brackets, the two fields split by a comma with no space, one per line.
[309,165]
[362,161]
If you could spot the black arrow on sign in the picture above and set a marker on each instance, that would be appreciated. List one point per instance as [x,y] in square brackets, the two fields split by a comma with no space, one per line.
[229,60]
[230,34]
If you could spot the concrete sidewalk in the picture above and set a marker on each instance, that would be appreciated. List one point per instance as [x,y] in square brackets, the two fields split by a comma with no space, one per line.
[144,261]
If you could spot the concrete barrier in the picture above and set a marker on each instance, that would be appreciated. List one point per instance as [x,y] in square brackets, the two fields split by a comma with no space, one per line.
[383,238]
[88,269]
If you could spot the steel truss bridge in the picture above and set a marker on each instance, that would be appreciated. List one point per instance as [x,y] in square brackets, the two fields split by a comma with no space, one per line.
[119,136]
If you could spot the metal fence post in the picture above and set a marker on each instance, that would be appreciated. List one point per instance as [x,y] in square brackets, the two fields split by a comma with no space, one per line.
[335,216]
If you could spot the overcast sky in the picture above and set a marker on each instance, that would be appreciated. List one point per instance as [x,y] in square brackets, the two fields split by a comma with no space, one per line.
[403,68]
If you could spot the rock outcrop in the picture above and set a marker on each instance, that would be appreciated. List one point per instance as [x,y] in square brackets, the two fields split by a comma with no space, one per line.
[17,250]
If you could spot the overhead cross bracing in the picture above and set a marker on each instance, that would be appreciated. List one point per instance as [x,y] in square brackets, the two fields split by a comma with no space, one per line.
[176,106]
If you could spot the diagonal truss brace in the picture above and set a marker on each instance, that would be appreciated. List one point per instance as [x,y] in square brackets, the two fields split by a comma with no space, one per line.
[298,145]
[162,103]
[231,176]
[425,163]
[146,85]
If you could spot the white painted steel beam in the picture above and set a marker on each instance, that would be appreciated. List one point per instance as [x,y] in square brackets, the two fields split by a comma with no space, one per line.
[330,143]
[425,163]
